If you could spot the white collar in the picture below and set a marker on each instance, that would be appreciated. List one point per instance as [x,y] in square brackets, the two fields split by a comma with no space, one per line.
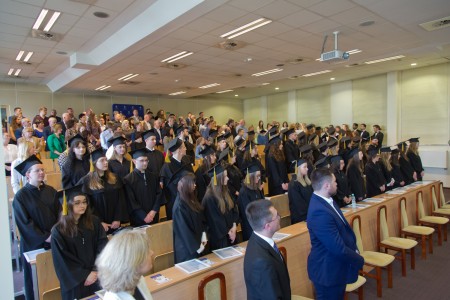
[329,200]
[268,240]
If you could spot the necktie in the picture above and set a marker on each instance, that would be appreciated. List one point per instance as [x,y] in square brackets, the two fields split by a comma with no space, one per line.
[277,251]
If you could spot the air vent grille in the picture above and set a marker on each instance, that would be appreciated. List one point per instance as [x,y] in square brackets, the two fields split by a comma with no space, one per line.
[231,45]
[436,24]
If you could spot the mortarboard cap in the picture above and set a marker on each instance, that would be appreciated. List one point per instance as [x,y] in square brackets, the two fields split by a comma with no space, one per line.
[139,152]
[395,150]
[372,151]
[273,130]
[414,140]
[175,144]
[352,152]
[289,132]
[216,170]
[223,155]
[335,158]
[67,195]
[318,128]
[321,163]
[386,149]
[178,174]
[301,135]
[310,126]
[301,161]
[249,145]
[251,132]
[323,147]
[305,149]
[274,138]
[179,129]
[252,168]
[24,166]
[213,133]
[148,133]
[311,137]
[118,140]
[207,151]
[332,142]
[239,142]
[75,138]
[96,154]
[401,146]
[331,131]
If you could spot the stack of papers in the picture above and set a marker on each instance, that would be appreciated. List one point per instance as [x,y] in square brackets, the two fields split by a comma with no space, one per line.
[279,236]
[159,278]
[373,200]
[192,266]
[227,252]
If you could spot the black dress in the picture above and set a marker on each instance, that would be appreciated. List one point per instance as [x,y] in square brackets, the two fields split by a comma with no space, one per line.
[74,258]
[299,197]
[292,153]
[407,170]
[121,169]
[73,170]
[374,179]
[397,174]
[155,161]
[36,211]
[246,196]
[416,164]
[343,188]
[356,182]
[202,181]
[277,173]
[108,203]
[218,223]
[143,194]
[188,226]
[235,180]
[386,174]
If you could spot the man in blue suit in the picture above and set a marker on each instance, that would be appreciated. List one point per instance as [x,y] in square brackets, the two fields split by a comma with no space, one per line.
[334,260]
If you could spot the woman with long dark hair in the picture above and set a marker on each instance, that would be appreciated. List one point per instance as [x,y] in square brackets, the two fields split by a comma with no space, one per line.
[299,192]
[220,210]
[77,165]
[409,174]
[276,167]
[396,171]
[375,182]
[355,174]
[201,174]
[189,236]
[228,159]
[343,191]
[386,167]
[77,239]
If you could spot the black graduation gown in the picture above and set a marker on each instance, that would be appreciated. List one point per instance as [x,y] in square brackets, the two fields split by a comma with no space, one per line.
[118,168]
[356,182]
[277,175]
[74,258]
[170,190]
[397,174]
[202,181]
[386,174]
[188,227]
[218,224]
[73,170]
[416,164]
[108,203]
[235,180]
[239,158]
[254,161]
[246,196]
[155,161]
[143,194]
[292,153]
[374,179]
[299,197]
[343,188]
[407,170]
[190,151]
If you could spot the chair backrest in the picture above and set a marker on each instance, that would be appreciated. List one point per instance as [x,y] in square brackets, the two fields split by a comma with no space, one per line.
[212,287]
[281,204]
[162,262]
[356,226]
[420,212]
[54,294]
[402,214]
[161,237]
[441,194]
[47,279]
[382,228]
[283,252]
[434,203]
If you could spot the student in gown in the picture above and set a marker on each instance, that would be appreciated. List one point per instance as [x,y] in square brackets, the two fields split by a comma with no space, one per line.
[118,164]
[414,158]
[25,149]
[201,174]
[77,240]
[276,167]
[175,162]
[36,211]
[396,171]
[355,174]
[77,165]
[121,266]
[306,154]
[385,167]
[155,157]
[250,191]
[220,210]
[106,193]
[409,174]
[343,193]
[375,182]
[291,150]
[189,227]
[228,160]
[299,192]
[251,157]
[142,190]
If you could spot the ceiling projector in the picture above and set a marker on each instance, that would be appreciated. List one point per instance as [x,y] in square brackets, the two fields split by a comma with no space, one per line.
[336,55]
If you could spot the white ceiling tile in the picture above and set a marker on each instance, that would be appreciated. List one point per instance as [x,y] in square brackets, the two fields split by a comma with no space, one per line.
[331,7]
[11,29]
[250,5]
[185,34]
[89,23]
[21,9]
[277,10]
[225,14]
[115,5]
[304,3]
[74,8]
[300,18]
[323,26]
[16,20]
[203,25]
[274,29]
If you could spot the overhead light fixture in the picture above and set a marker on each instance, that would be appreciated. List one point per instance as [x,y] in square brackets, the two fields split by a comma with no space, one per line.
[177,56]
[332,78]
[128,76]
[27,57]
[225,91]
[177,93]
[51,21]
[277,88]
[236,95]
[267,72]
[10,71]
[265,83]
[103,87]
[17,72]
[209,85]
[246,28]
[413,64]
[316,73]
[19,56]
[384,59]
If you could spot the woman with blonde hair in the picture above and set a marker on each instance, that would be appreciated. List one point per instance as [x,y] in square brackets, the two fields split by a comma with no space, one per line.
[118,163]
[386,167]
[122,264]
[24,150]
[414,158]
[299,192]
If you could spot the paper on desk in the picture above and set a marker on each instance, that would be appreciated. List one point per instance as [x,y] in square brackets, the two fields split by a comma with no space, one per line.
[143,227]
[278,236]
[227,252]
[30,256]
[192,266]
[373,200]
[360,205]
[206,261]
[159,278]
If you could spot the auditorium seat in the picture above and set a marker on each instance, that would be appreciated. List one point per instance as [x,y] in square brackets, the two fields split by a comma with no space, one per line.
[212,287]
[443,203]
[438,223]
[356,287]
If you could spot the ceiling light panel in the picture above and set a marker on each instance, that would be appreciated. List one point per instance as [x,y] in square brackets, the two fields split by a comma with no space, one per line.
[246,28]
[128,77]
[209,85]
[316,73]
[384,59]
[177,93]
[46,20]
[177,56]
[267,72]
[225,91]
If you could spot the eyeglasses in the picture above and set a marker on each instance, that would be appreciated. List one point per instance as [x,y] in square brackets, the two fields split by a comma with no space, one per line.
[78,203]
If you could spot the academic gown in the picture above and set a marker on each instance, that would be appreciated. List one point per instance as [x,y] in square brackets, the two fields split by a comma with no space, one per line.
[277,175]
[74,258]
[36,211]
[170,190]
[397,174]
[155,161]
[292,153]
[73,170]
[343,188]
[108,203]
[407,170]
[374,179]
[299,197]
[188,227]
[254,161]
[143,195]
[202,181]
[190,151]
[246,196]
[239,158]
[121,169]
[356,182]
[387,175]
[218,223]
[235,180]
[416,164]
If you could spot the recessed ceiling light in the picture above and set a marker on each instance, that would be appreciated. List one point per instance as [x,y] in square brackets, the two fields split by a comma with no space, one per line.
[236,95]
[50,20]
[277,88]
[103,87]
[267,72]
[413,64]
[246,28]
[177,56]
[265,83]
[332,78]
[316,73]
[128,77]
[27,58]
[225,91]
[61,52]
[209,85]
[384,59]
[177,93]
[17,72]
[366,23]
[101,14]
[10,71]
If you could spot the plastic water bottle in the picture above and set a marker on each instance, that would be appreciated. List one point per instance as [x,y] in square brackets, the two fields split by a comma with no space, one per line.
[353,201]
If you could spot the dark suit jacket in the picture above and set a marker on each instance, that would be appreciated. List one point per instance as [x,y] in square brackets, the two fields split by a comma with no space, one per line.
[365,136]
[379,136]
[333,259]
[266,275]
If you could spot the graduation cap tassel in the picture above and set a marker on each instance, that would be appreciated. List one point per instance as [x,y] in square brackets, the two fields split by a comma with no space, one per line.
[229,158]
[296,168]
[91,166]
[21,182]
[250,147]
[247,177]
[215,177]
[131,166]
[329,151]
[403,147]
[379,151]
[64,204]
[345,145]
[167,159]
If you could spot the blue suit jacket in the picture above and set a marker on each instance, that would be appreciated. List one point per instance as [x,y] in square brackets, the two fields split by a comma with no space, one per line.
[333,259]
